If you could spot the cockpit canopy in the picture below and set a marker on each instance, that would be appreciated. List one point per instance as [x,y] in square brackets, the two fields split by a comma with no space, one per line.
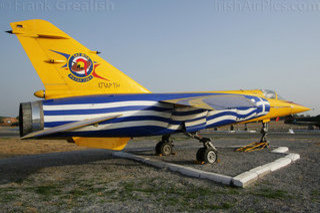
[270,94]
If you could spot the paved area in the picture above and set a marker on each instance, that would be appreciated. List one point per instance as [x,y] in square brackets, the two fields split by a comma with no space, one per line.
[92,180]
[231,163]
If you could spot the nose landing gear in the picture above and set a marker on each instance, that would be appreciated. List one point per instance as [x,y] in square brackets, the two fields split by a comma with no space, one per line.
[257,146]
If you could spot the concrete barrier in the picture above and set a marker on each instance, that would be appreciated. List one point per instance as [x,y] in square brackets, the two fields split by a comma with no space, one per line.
[278,164]
[226,180]
[244,179]
[293,157]
[155,163]
[190,172]
[129,156]
[241,180]
[282,149]
[261,170]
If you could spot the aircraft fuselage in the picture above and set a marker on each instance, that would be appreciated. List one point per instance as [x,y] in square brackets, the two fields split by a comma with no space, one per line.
[141,114]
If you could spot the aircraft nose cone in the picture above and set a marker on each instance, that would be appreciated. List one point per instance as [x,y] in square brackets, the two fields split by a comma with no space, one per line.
[296,108]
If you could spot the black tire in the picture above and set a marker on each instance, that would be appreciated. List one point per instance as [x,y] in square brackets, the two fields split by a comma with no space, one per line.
[158,148]
[200,154]
[210,156]
[163,148]
[166,148]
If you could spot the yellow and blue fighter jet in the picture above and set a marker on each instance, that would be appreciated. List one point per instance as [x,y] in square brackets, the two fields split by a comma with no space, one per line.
[92,103]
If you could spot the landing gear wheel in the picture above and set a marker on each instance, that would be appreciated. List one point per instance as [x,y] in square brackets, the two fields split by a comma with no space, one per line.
[164,148]
[207,155]
[210,156]
[200,154]
[158,148]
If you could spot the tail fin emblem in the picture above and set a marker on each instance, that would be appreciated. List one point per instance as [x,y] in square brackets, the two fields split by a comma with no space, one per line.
[82,68]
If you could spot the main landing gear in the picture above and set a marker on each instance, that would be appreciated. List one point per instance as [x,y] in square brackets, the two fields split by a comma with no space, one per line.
[257,146]
[165,146]
[208,153]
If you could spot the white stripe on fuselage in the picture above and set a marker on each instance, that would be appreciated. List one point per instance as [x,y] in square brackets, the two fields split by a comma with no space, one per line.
[196,122]
[127,124]
[222,118]
[188,117]
[143,123]
[64,118]
[58,118]
[104,105]
[202,116]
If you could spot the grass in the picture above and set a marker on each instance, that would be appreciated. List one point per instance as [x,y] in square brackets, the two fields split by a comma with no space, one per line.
[272,194]
[315,196]
[183,197]
[45,190]
[7,197]
[8,194]
[164,193]
[9,189]
[53,191]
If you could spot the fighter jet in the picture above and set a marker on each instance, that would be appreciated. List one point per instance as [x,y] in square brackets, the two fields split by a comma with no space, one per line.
[88,101]
[305,121]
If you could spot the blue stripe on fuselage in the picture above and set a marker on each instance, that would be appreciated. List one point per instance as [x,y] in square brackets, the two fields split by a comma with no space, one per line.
[121,119]
[137,130]
[229,113]
[104,110]
[121,97]
[221,123]
[121,132]
[191,112]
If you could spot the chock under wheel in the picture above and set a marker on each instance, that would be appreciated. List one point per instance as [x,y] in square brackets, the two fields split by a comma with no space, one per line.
[255,146]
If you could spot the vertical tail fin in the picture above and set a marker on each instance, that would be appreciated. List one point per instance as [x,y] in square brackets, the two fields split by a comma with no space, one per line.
[66,67]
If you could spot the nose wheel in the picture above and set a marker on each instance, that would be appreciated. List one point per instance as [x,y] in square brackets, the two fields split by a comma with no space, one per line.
[257,146]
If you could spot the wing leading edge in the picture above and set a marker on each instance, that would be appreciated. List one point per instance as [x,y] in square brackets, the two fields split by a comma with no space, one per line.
[213,102]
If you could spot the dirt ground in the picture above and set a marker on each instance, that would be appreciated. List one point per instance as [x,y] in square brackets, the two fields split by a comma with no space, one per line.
[11,147]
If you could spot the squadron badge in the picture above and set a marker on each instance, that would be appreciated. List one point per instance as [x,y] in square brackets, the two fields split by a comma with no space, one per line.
[81,67]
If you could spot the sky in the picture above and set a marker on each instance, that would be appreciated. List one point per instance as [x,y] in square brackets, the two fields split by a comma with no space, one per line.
[178,45]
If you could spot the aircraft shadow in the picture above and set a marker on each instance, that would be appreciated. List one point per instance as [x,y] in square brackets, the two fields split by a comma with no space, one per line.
[17,169]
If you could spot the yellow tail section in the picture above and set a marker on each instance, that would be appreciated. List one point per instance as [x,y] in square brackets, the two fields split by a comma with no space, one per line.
[66,67]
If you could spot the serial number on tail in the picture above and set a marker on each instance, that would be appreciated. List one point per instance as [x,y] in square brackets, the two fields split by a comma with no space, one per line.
[108,85]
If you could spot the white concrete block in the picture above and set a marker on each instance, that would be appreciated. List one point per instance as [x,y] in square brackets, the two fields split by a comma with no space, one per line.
[241,180]
[280,163]
[156,163]
[173,167]
[282,149]
[226,180]
[189,172]
[244,179]
[261,170]
[273,166]
[129,156]
[293,157]
[284,160]
[121,154]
